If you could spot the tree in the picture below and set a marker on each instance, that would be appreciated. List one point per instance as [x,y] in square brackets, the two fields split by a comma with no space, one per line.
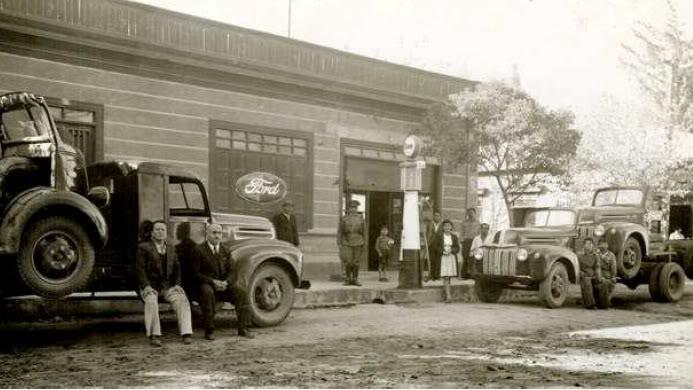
[662,62]
[506,133]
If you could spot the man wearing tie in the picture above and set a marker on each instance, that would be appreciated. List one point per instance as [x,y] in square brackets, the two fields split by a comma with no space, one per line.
[285,224]
[213,268]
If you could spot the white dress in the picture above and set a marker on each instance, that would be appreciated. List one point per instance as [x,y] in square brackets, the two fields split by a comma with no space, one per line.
[448,261]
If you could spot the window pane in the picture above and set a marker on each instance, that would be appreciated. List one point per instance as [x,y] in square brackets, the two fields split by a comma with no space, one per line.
[239,145]
[223,143]
[285,149]
[221,133]
[270,139]
[254,147]
[284,141]
[239,135]
[300,142]
[78,116]
[254,137]
[299,151]
[269,148]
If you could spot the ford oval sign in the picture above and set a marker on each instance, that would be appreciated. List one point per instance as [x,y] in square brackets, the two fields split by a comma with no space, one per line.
[261,187]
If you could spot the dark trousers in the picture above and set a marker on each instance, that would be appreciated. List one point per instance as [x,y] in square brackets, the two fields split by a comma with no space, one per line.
[434,272]
[351,257]
[466,269]
[595,293]
[208,304]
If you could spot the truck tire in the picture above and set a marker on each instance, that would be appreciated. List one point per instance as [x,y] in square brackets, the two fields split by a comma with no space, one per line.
[672,282]
[488,291]
[687,263]
[56,257]
[653,284]
[271,295]
[630,260]
[553,289]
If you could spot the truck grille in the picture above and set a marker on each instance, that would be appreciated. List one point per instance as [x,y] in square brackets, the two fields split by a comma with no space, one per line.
[585,231]
[499,261]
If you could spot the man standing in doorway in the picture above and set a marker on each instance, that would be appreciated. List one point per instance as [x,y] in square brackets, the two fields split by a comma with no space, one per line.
[350,242]
[285,223]
[433,229]
[214,271]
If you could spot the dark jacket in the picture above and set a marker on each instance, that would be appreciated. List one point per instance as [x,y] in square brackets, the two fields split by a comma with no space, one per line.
[286,228]
[150,270]
[437,244]
[209,266]
[589,265]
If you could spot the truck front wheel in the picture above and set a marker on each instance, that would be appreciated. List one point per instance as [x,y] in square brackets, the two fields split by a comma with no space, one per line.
[630,260]
[56,257]
[488,291]
[672,282]
[554,287]
[271,295]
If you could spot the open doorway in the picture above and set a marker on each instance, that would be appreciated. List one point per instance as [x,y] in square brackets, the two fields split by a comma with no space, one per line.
[385,209]
[680,218]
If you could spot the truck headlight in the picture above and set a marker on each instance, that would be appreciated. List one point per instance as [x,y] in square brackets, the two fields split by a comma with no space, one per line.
[478,253]
[599,230]
[522,254]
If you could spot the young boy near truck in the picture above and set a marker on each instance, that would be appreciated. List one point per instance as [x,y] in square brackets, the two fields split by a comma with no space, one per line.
[383,245]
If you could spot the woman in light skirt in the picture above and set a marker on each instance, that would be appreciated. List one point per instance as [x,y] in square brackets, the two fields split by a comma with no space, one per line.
[447,246]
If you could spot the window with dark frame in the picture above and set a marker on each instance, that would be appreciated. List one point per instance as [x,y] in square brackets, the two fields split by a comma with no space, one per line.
[79,125]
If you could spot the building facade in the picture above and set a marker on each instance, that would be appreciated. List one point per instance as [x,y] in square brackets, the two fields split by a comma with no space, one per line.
[132,82]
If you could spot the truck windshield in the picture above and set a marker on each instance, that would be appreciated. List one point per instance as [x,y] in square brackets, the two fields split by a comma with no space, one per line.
[27,123]
[550,218]
[618,197]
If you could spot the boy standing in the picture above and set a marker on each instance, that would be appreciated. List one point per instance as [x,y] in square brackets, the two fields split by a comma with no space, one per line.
[383,244]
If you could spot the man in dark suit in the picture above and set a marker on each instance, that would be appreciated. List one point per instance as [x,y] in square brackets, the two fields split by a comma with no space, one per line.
[158,274]
[214,271]
[434,229]
[285,224]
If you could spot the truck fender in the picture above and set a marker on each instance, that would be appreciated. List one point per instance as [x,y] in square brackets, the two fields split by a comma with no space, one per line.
[569,259]
[617,234]
[250,254]
[44,201]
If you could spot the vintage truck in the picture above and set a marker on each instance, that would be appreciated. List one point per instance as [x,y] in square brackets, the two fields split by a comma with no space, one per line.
[68,228]
[541,254]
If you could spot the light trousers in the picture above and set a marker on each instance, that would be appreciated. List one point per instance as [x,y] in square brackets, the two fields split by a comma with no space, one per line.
[176,297]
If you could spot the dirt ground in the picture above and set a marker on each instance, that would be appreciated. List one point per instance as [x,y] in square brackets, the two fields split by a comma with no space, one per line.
[521,344]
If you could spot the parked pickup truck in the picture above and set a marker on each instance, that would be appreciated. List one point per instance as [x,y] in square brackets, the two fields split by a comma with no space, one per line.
[68,228]
[541,253]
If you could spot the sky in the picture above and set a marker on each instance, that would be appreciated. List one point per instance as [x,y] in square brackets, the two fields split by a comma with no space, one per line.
[566,52]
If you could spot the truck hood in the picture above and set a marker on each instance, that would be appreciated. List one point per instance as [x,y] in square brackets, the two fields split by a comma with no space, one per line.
[526,236]
[246,226]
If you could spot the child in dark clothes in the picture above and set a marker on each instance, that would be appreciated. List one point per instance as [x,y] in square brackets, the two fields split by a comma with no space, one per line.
[383,245]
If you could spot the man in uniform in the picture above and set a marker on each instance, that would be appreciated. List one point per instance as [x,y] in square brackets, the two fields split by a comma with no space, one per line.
[609,271]
[590,272]
[285,224]
[214,271]
[350,242]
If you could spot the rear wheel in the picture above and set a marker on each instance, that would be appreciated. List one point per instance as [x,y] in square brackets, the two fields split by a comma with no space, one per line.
[653,284]
[554,288]
[630,260]
[271,295]
[672,282]
[488,291]
[56,257]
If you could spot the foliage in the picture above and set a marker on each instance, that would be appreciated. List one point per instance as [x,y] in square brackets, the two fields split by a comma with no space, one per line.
[662,62]
[506,133]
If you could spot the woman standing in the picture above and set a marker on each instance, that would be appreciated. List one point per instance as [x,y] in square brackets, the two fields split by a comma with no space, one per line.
[447,246]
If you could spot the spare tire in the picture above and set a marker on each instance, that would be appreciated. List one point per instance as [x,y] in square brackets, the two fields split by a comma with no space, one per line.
[630,260]
[56,257]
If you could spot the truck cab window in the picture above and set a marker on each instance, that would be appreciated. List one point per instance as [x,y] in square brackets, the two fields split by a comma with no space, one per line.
[185,198]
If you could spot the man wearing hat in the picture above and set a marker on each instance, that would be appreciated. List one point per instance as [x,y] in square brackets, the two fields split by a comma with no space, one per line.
[350,241]
[285,223]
